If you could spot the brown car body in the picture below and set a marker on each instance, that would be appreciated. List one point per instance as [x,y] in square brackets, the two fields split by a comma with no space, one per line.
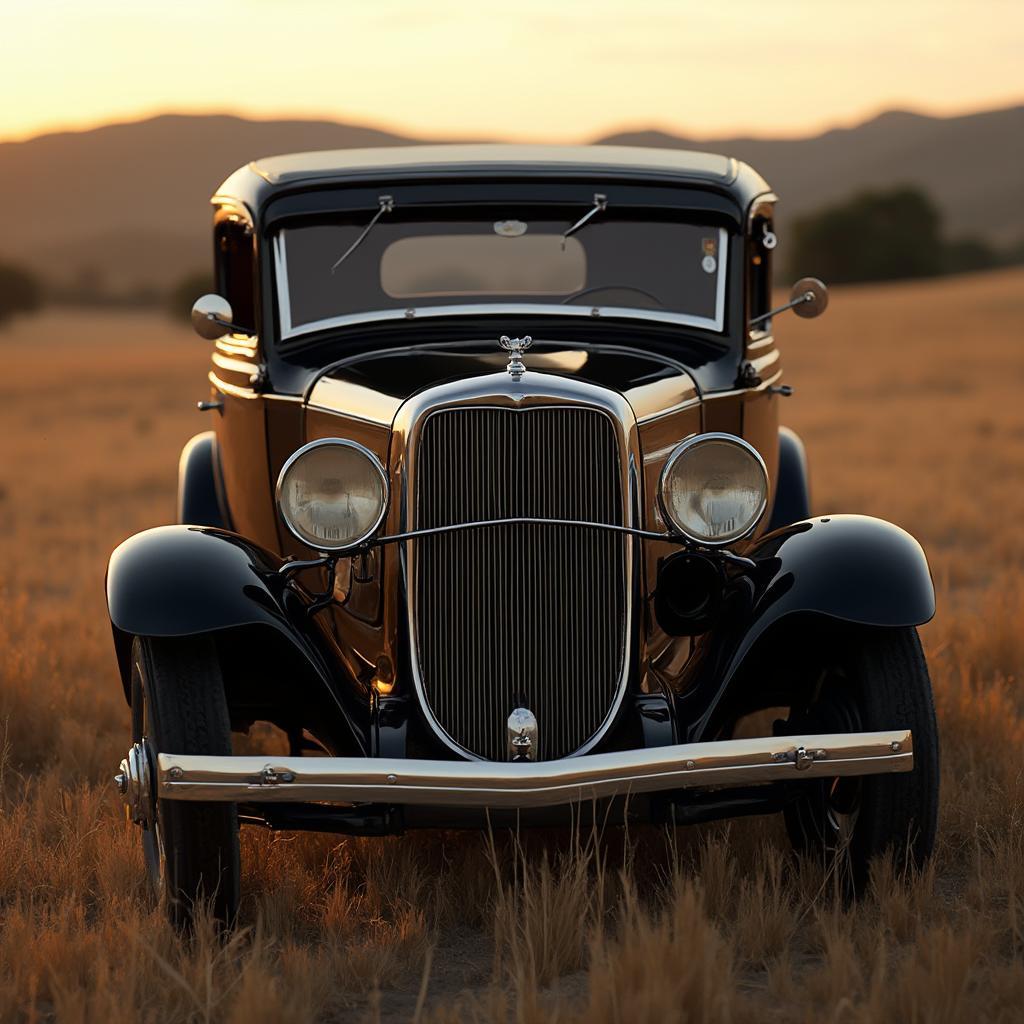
[525,563]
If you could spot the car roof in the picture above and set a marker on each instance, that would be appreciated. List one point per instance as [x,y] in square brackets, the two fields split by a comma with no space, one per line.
[340,162]
[261,179]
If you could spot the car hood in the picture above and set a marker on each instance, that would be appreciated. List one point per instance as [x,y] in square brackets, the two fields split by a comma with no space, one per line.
[374,385]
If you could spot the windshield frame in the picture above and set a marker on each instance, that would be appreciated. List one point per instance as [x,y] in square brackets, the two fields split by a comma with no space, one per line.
[289,332]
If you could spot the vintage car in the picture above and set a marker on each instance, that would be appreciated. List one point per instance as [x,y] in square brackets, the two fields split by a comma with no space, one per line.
[496,525]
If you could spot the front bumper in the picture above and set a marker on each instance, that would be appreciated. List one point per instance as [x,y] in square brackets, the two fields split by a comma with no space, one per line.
[487,784]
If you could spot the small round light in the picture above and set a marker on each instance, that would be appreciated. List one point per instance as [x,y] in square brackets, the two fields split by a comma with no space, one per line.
[714,488]
[332,494]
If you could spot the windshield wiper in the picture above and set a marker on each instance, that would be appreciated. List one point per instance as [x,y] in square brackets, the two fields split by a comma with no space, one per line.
[387,204]
[600,205]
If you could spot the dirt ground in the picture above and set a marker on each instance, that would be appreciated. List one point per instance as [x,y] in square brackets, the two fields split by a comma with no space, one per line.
[909,400]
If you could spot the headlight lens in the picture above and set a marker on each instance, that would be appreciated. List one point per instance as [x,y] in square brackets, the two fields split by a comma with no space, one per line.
[714,488]
[332,494]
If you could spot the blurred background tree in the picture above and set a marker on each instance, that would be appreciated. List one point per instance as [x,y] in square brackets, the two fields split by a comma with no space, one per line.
[967,254]
[20,291]
[887,235]
[873,236]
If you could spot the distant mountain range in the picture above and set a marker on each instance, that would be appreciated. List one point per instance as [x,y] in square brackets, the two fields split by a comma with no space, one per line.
[125,205]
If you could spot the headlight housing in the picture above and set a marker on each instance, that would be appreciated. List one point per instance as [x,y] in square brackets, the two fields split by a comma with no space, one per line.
[332,494]
[714,488]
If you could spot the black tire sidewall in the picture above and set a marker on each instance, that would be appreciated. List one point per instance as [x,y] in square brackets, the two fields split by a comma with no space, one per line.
[887,681]
[182,699]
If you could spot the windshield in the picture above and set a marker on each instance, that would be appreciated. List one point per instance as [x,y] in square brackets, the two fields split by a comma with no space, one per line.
[333,274]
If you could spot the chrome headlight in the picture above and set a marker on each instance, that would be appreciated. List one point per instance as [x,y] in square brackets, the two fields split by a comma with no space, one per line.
[714,488]
[332,494]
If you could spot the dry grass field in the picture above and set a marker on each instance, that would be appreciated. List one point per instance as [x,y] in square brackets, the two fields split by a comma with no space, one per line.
[909,398]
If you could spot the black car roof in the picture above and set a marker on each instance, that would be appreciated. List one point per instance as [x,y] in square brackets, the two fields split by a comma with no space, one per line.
[262,179]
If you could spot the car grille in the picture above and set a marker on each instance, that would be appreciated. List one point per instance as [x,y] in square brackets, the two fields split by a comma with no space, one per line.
[528,615]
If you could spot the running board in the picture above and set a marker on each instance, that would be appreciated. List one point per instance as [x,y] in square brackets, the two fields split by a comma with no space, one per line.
[351,780]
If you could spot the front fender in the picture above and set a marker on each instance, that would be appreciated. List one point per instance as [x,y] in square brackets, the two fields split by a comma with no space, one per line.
[851,568]
[846,568]
[186,580]
[183,580]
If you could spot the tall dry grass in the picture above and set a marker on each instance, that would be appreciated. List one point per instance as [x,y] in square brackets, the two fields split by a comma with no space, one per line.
[908,399]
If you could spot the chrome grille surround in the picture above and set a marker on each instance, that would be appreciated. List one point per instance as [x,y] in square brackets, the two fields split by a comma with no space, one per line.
[536,391]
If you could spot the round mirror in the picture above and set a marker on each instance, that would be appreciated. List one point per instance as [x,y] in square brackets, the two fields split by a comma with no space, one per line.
[814,295]
[211,316]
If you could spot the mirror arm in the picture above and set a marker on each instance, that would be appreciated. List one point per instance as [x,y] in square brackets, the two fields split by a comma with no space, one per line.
[228,326]
[798,301]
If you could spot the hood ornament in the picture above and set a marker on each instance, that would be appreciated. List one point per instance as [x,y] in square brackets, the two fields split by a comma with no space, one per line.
[515,348]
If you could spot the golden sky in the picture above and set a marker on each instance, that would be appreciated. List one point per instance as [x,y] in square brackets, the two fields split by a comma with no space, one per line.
[522,69]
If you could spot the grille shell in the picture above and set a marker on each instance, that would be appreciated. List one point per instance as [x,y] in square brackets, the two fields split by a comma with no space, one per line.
[534,615]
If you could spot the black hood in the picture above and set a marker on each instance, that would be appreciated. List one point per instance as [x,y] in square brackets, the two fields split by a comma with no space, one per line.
[401,373]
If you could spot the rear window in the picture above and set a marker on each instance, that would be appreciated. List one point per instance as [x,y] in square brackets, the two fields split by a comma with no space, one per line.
[435,266]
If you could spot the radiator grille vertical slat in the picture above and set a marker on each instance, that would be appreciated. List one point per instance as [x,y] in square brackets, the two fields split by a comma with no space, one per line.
[530,615]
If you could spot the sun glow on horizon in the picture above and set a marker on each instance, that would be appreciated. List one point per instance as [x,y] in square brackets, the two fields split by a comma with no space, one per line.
[571,72]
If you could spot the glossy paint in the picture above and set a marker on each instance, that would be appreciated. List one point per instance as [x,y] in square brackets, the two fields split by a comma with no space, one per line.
[374,383]
[847,569]
[187,580]
[793,486]
[200,501]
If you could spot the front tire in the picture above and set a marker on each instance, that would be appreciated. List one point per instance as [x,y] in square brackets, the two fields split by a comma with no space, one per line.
[178,706]
[870,680]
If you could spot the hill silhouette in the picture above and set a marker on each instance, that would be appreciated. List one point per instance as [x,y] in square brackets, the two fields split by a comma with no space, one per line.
[972,166]
[125,205]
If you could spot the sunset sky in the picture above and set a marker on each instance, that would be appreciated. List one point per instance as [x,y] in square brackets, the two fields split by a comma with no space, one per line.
[533,69]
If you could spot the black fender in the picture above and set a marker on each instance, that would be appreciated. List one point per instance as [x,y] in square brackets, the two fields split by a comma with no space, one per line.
[188,580]
[842,568]
[200,493]
[792,484]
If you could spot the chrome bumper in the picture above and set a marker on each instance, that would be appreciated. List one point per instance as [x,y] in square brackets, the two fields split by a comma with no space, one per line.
[531,784]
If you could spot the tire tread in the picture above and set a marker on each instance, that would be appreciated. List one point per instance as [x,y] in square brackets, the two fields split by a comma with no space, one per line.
[186,692]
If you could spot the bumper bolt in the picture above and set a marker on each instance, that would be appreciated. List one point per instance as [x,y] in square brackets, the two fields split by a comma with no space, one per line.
[690,764]
[895,746]
[392,779]
[175,773]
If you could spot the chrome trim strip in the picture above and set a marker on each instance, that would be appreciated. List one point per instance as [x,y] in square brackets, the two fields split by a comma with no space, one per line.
[499,309]
[237,348]
[290,330]
[239,392]
[284,299]
[723,265]
[720,551]
[231,389]
[226,362]
[532,783]
[477,524]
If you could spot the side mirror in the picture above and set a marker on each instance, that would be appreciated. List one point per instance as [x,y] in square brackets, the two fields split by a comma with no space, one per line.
[211,318]
[808,298]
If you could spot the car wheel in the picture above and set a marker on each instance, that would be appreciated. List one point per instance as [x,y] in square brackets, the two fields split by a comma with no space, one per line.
[178,706]
[872,679]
